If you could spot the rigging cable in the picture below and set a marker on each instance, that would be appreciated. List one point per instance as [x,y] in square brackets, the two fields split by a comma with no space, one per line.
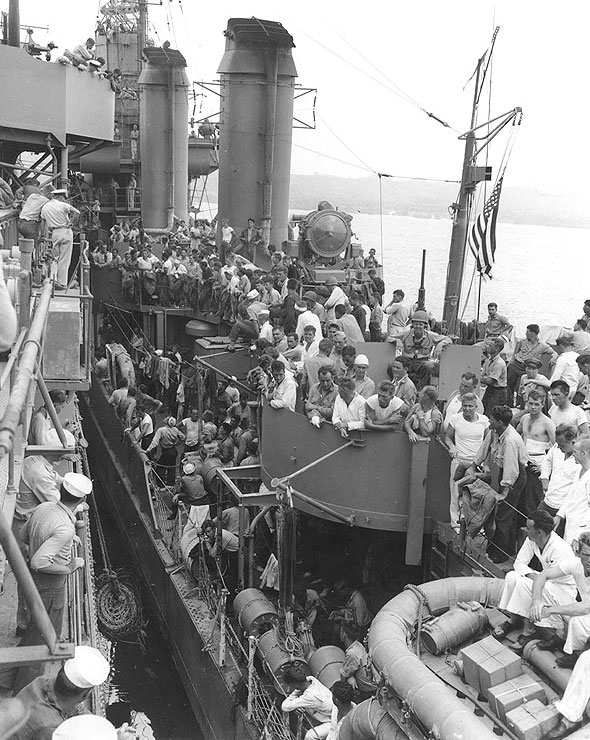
[397,92]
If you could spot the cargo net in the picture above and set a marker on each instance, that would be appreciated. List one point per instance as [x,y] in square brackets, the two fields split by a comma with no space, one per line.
[169,529]
[118,605]
[262,709]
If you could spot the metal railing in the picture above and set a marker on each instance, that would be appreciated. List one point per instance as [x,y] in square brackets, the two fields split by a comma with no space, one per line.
[121,199]
[8,230]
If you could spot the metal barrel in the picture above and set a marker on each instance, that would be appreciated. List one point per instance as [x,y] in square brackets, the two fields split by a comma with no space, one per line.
[276,659]
[544,661]
[452,628]
[325,664]
[255,612]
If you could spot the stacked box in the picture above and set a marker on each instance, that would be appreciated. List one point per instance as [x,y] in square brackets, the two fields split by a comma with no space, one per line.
[488,663]
[533,720]
[511,694]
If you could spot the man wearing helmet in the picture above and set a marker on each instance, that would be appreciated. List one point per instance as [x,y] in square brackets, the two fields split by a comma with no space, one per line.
[421,346]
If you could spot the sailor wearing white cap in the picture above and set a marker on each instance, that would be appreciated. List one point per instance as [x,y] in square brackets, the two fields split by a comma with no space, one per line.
[264,325]
[48,536]
[53,700]
[85,726]
[57,217]
[363,384]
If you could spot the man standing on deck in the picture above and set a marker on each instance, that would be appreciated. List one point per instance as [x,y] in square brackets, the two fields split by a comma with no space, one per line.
[530,346]
[522,597]
[496,325]
[538,433]
[493,375]
[30,214]
[397,316]
[47,538]
[57,217]
[337,297]
[559,469]
[503,447]
[250,239]
[467,384]
[465,433]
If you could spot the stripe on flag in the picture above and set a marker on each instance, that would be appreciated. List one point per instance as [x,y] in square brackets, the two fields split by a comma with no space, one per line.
[482,237]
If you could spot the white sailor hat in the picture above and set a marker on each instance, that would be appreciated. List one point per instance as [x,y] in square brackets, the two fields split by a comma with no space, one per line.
[60,191]
[252,294]
[77,484]
[188,467]
[52,438]
[159,352]
[361,360]
[87,668]
[85,725]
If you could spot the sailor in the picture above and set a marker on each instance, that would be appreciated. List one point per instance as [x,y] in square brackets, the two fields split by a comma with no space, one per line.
[41,423]
[575,614]
[47,537]
[420,345]
[167,437]
[57,217]
[54,699]
[519,585]
[191,489]
[91,726]
[312,696]
[39,482]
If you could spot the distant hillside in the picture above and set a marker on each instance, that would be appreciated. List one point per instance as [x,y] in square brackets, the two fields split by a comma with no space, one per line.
[432,199]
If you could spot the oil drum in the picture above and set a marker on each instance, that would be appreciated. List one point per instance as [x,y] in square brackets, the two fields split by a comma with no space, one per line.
[325,664]
[453,628]
[255,612]
[276,659]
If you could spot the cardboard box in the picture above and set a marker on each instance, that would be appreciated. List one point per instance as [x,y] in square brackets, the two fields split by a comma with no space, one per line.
[488,663]
[511,694]
[533,720]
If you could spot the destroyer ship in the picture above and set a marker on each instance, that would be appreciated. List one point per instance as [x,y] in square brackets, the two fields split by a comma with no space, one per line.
[371,510]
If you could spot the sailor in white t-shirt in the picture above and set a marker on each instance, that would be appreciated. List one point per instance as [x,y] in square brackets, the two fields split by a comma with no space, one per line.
[385,412]
[576,507]
[464,436]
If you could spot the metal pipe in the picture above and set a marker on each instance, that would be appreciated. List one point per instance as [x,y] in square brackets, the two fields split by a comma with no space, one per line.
[14,23]
[276,482]
[29,357]
[63,167]
[25,247]
[24,299]
[25,580]
[318,505]
[12,358]
[272,63]
[29,169]
[51,409]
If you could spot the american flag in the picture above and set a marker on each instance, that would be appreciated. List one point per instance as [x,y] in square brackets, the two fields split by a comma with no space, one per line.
[482,237]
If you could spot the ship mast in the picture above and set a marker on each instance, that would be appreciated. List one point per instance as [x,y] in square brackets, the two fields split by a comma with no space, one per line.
[461,218]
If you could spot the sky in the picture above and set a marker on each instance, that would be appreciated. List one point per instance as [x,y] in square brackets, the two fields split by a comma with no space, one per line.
[360,55]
